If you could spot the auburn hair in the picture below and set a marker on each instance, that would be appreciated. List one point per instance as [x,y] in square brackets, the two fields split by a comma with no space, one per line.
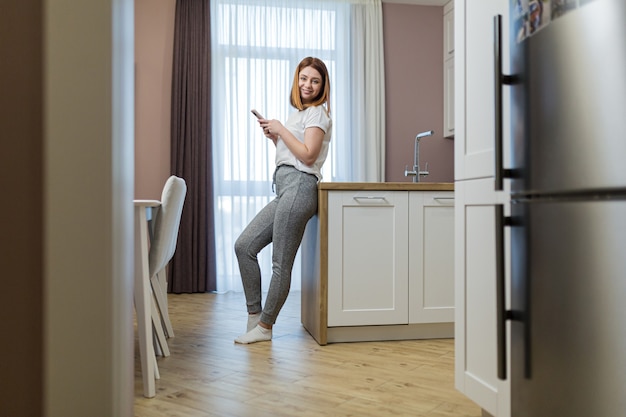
[323,98]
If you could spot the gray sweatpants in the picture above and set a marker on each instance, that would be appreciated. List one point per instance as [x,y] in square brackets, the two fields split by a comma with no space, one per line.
[282,223]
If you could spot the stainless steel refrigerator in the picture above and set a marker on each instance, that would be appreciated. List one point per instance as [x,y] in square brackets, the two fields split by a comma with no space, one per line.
[568,209]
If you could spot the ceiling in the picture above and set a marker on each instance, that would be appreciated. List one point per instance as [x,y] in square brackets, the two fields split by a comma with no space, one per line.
[419,2]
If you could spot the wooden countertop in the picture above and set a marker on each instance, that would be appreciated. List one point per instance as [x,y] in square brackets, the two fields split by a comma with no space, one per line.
[387,186]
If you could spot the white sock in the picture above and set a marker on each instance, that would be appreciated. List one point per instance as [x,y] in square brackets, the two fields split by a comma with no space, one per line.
[253,320]
[258,334]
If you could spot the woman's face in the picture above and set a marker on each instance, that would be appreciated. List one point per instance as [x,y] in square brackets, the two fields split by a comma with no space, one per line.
[310,84]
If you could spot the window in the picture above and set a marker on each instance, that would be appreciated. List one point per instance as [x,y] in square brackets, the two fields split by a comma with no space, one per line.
[256,46]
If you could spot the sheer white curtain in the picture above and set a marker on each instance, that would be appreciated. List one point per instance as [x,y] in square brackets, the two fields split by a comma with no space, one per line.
[256,46]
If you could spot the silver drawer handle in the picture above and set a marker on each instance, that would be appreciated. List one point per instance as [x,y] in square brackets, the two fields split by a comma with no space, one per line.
[357,198]
[443,198]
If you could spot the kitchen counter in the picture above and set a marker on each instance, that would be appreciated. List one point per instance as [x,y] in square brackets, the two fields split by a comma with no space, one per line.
[387,186]
[321,243]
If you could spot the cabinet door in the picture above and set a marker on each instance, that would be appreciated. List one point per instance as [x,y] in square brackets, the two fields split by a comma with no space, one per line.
[448,30]
[431,261]
[448,70]
[474,86]
[475,294]
[367,258]
[448,98]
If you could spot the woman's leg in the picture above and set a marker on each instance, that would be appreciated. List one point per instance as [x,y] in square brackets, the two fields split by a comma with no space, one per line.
[256,236]
[297,203]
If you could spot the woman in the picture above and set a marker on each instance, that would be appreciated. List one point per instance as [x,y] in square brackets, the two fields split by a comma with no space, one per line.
[301,149]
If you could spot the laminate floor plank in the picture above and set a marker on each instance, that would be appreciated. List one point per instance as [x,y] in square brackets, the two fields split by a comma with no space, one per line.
[208,375]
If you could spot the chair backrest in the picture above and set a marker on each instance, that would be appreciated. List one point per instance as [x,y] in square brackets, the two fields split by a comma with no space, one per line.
[166,224]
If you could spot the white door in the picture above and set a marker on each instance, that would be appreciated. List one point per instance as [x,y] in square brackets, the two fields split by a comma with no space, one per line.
[367,258]
[475,294]
[474,86]
[431,261]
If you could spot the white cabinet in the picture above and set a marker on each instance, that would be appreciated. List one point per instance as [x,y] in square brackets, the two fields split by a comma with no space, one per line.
[476,200]
[474,86]
[367,258]
[475,289]
[448,98]
[431,257]
[377,263]
[390,257]
[448,70]
[448,30]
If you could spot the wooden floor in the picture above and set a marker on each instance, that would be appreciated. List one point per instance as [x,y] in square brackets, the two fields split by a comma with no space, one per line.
[208,375]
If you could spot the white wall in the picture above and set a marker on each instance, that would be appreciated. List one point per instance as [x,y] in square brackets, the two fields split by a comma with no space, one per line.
[88,214]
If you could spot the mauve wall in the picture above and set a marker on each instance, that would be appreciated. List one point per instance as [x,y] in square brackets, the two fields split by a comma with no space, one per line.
[414,92]
[154,40]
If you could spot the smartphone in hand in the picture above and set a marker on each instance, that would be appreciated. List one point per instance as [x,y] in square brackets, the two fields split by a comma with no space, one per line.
[257,114]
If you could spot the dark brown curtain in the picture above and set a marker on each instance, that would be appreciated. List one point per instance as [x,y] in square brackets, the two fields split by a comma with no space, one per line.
[193,267]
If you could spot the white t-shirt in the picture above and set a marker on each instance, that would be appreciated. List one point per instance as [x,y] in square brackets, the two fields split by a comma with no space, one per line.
[297,123]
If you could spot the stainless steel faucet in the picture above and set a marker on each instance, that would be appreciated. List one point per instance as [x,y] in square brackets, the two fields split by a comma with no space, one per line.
[416,173]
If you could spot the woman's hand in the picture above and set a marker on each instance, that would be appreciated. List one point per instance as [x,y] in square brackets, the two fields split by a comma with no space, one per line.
[271,128]
[306,152]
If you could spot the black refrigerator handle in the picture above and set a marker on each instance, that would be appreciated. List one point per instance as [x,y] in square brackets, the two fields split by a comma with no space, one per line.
[500,80]
[501,312]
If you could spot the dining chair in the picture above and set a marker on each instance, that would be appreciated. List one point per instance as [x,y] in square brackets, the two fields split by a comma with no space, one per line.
[163,245]
[154,247]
